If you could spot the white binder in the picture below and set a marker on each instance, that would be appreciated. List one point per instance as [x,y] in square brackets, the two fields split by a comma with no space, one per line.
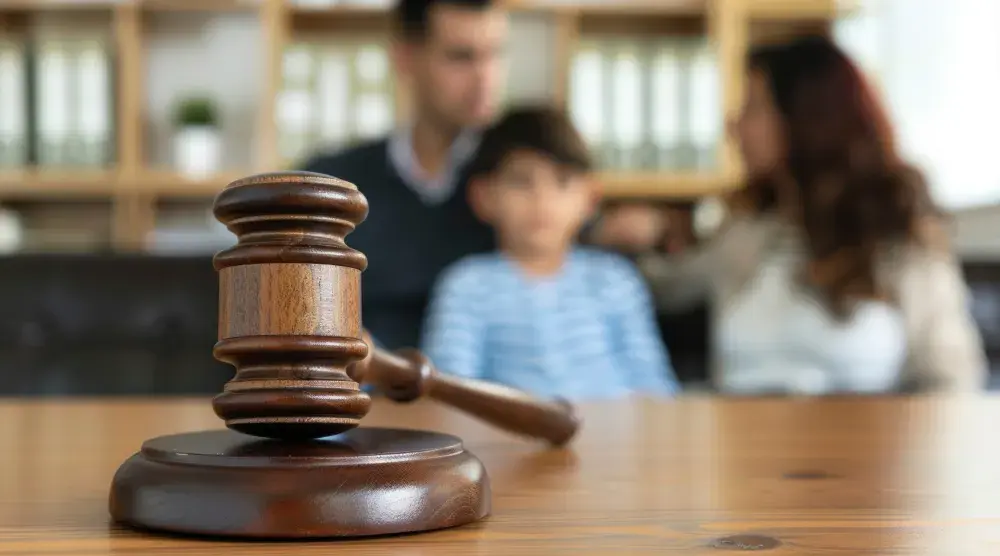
[705,112]
[666,104]
[13,105]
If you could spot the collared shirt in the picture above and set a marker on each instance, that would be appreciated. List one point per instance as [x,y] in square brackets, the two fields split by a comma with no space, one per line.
[432,190]
[588,332]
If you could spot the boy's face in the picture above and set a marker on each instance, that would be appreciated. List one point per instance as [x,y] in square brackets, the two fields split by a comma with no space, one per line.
[536,205]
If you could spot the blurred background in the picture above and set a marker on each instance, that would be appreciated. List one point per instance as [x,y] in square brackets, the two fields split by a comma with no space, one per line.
[121,119]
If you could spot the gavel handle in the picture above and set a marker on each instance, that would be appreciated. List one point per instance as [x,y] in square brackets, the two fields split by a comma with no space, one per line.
[407,375]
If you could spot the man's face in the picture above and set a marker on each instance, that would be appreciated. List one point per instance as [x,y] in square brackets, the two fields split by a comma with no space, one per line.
[457,71]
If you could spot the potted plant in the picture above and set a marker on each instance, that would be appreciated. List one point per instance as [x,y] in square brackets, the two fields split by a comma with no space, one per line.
[197,145]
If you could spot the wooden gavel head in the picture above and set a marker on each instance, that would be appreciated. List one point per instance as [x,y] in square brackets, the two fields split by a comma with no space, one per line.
[290,306]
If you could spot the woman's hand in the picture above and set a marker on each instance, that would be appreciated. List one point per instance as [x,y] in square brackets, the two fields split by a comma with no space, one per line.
[632,227]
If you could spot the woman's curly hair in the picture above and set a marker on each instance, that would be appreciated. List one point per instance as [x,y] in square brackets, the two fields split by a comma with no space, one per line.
[856,197]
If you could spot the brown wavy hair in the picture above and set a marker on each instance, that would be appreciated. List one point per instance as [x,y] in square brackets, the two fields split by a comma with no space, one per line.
[856,196]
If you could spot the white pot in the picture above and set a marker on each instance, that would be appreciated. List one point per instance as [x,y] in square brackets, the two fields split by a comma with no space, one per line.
[197,150]
[11,231]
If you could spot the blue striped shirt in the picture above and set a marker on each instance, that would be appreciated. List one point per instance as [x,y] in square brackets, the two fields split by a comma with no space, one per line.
[588,332]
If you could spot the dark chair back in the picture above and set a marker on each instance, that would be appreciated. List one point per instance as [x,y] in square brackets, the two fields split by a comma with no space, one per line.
[108,324]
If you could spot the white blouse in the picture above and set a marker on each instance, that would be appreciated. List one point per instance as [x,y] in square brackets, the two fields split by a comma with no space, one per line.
[774,337]
[770,335]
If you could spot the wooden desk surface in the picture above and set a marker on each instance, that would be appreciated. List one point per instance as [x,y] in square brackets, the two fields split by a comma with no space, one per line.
[907,477]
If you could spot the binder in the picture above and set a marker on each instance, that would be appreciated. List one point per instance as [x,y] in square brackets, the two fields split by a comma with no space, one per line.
[315,3]
[369,3]
[706,117]
[73,109]
[65,227]
[666,105]
[647,104]
[53,109]
[295,103]
[187,229]
[335,93]
[93,123]
[13,105]
[628,122]
[586,99]
[372,102]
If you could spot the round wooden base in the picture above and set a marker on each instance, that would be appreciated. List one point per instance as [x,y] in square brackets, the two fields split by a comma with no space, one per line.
[367,481]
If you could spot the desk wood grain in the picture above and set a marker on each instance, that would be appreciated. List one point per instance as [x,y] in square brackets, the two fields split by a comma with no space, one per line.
[888,477]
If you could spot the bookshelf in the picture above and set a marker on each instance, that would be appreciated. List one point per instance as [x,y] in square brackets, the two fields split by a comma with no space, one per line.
[158,51]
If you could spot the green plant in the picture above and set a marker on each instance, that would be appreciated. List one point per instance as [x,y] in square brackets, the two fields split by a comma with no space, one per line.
[195,111]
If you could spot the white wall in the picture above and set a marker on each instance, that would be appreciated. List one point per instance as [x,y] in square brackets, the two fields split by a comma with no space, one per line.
[977,232]
[938,64]
[532,71]
[215,54]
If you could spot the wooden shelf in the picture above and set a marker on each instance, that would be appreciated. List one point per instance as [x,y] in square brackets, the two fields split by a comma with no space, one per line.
[646,185]
[771,9]
[161,5]
[170,184]
[799,10]
[339,20]
[339,9]
[42,184]
[615,185]
[619,7]
[653,24]
[198,5]
[164,183]
[34,184]
[65,5]
[776,9]
[136,191]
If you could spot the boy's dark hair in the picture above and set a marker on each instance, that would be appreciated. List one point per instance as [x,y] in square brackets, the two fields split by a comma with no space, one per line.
[412,17]
[541,129]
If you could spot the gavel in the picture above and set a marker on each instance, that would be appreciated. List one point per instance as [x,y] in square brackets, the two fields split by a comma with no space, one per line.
[294,462]
[408,375]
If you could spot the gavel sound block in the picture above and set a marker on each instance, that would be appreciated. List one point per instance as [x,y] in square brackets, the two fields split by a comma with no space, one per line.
[293,462]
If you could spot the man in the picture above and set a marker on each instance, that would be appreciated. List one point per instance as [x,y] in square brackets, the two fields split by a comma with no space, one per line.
[449,53]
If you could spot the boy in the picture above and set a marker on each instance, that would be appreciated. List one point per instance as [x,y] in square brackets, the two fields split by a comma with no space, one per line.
[542,314]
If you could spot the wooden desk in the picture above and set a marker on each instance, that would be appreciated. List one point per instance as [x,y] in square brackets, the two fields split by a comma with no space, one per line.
[907,477]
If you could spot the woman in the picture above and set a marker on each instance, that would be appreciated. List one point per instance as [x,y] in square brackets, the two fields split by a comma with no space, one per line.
[833,273]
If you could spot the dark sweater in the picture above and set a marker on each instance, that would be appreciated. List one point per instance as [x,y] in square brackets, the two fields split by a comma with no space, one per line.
[407,242]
